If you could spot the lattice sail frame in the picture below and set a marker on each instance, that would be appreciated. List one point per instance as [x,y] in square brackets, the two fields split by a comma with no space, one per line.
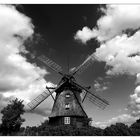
[84,65]
[51,64]
[95,99]
[40,98]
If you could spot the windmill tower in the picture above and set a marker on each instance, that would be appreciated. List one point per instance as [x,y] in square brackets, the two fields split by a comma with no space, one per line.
[67,108]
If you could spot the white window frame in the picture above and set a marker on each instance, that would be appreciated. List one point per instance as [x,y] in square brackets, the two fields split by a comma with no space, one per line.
[67,95]
[66,120]
[67,106]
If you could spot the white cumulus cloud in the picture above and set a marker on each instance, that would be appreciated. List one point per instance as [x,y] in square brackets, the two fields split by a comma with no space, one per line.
[100,86]
[115,20]
[85,34]
[124,118]
[118,32]
[18,77]
[134,104]
[121,53]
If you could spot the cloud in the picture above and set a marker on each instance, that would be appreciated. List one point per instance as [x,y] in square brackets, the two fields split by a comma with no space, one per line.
[118,49]
[118,32]
[115,20]
[121,54]
[84,35]
[124,118]
[100,86]
[18,77]
[134,104]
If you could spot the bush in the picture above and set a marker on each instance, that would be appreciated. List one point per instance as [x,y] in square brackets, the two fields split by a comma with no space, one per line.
[11,119]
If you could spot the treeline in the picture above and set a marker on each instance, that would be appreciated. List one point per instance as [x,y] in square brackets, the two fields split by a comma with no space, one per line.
[12,122]
[119,129]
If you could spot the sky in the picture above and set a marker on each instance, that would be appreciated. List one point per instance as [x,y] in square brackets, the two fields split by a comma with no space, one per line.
[69,35]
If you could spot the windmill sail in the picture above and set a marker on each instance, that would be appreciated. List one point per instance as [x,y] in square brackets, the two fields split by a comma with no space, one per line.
[50,64]
[48,88]
[95,99]
[40,98]
[67,101]
[84,65]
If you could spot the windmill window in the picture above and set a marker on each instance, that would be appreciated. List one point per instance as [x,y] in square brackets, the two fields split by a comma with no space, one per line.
[67,106]
[67,95]
[66,120]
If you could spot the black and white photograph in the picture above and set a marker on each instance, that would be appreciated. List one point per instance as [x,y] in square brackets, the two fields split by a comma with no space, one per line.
[70,69]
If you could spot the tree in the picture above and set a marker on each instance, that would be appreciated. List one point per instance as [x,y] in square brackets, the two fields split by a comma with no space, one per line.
[119,129]
[11,119]
[135,128]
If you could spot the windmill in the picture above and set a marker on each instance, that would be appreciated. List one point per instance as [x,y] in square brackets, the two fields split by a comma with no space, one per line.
[67,107]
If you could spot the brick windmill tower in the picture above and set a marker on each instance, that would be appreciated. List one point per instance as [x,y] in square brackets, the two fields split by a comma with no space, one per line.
[67,108]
